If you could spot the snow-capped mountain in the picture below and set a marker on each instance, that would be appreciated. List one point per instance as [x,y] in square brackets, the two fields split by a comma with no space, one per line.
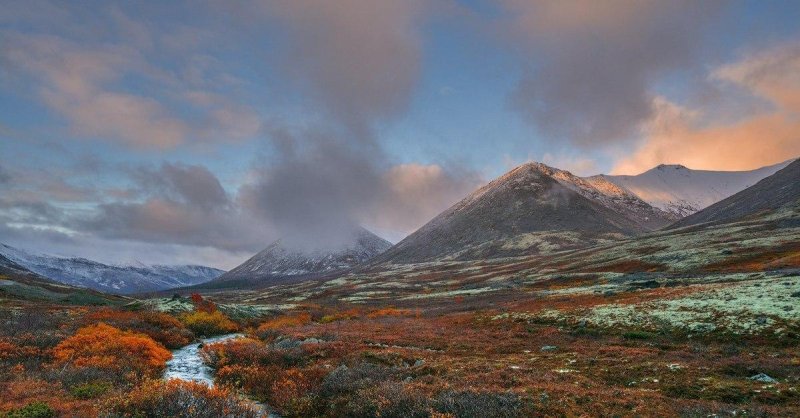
[108,278]
[683,191]
[780,190]
[280,261]
[532,208]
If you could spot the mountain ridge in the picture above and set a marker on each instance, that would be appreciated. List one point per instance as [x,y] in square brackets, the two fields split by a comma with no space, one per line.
[278,261]
[531,204]
[681,191]
[117,279]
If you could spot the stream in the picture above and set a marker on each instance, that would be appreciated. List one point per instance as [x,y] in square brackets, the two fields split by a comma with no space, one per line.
[186,364]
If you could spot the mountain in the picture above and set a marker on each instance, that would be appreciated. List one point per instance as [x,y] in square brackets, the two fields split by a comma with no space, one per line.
[532,208]
[780,190]
[682,191]
[279,261]
[20,284]
[106,278]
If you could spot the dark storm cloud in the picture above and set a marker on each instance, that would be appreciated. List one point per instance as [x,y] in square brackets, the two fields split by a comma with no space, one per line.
[593,63]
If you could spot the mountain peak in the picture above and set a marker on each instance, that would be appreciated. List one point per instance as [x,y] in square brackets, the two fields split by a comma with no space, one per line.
[280,260]
[665,167]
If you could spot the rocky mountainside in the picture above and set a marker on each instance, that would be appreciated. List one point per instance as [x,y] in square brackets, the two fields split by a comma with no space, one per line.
[280,261]
[682,191]
[81,272]
[777,191]
[532,208]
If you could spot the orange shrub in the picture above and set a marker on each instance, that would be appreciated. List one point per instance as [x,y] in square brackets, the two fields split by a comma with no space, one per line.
[256,381]
[390,312]
[291,390]
[341,315]
[208,323]
[177,398]
[105,347]
[284,321]
[159,326]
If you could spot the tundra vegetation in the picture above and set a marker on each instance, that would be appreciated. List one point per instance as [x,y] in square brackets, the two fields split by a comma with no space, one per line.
[692,322]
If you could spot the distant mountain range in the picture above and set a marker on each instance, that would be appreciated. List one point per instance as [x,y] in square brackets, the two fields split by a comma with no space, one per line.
[532,209]
[21,284]
[682,191]
[280,261]
[90,274]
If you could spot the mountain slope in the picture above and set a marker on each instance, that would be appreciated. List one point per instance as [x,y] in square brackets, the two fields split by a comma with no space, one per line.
[779,190]
[280,261]
[20,284]
[683,191]
[111,279]
[532,208]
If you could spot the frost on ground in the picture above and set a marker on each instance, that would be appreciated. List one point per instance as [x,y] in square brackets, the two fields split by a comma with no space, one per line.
[735,306]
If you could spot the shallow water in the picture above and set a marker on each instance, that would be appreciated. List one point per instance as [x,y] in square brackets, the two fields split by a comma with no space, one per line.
[186,363]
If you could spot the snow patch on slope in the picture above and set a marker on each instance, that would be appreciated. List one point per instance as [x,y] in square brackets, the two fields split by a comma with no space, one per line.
[683,191]
[120,279]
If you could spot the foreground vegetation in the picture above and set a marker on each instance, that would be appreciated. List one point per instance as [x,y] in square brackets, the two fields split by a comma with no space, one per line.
[89,361]
[688,323]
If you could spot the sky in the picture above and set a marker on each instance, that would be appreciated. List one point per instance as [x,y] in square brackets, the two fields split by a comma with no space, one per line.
[200,131]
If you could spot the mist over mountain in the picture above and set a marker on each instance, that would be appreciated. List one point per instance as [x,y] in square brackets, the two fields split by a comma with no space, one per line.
[281,259]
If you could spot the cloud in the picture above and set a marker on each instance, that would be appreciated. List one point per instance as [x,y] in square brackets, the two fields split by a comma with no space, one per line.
[116,86]
[591,64]
[676,134]
[191,184]
[315,196]
[360,59]
[773,74]
[5,176]
[415,193]
[183,204]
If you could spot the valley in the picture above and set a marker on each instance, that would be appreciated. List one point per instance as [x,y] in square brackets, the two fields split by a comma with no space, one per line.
[699,318]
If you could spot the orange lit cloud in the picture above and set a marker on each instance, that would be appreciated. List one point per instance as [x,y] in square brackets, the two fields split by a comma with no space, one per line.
[678,135]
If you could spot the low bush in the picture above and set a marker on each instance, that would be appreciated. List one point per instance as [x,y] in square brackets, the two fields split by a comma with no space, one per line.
[32,410]
[203,323]
[159,326]
[90,390]
[270,327]
[179,399]
[104,347]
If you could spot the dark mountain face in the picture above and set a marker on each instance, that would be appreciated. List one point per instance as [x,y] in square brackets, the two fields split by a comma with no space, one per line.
[777,191]
[278,261]
[533,208]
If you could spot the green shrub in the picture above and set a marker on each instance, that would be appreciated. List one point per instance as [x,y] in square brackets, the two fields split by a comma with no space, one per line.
[90,390]
[32,410]
[638,335]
